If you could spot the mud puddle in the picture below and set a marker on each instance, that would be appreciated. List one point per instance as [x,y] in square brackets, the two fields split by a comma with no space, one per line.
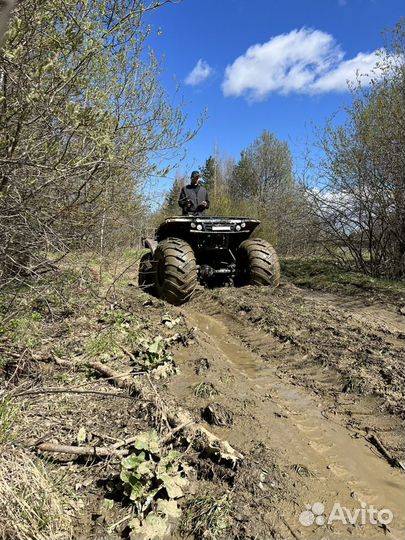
[341,468]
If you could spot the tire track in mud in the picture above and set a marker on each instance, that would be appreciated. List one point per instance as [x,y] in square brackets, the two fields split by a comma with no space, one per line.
[273,410]
[353,361]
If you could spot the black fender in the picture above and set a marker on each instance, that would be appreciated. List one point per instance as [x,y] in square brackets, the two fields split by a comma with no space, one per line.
[150,244]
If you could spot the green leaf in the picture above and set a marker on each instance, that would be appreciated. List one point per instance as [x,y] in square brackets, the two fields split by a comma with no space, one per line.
[156,345]
[124,476]
[169,508]
[137,490]
[108,504]
[146,468]
[133,461]
[81,436]
[171,457]
[132,482]
[148,441]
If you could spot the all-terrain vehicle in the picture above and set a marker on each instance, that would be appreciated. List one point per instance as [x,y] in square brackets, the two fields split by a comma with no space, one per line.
[209,250]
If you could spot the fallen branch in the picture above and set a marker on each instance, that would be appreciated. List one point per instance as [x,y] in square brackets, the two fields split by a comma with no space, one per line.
[169,436]
[163,440]
[128,353]
[203,440]
[375,441]
[120,380]
[38,391]
[92,451]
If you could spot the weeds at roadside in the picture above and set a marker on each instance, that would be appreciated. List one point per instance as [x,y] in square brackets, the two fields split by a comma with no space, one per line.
[206,518]
[203,389]
[124,335]
[8,417]
[33,505]
[120,328]
[352,385]
[104,346]
[23,331]
[4,361]
[153,482]
[323,273]
[153,352]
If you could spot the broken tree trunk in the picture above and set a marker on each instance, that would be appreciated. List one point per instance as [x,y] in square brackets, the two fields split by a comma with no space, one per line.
[203,440]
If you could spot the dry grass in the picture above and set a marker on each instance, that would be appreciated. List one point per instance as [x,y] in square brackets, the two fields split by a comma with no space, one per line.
[8,418]
[206,518]
[31,502]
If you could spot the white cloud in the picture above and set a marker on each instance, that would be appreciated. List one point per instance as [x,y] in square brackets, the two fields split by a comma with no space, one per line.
[201,71]
[303,61]
[346,72]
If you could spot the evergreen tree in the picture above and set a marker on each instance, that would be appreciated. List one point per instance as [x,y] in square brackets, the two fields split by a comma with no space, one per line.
[209,173]
[171,206]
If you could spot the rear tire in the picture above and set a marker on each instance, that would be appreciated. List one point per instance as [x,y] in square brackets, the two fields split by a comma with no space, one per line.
[257,264]
[175,270]
[146,275]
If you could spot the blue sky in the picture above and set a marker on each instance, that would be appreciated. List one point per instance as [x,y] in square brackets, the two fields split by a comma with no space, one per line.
[264,64]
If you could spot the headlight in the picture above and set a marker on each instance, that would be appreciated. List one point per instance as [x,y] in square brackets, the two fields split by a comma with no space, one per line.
[237,227]
[193,225]
[199,227]
[243,225]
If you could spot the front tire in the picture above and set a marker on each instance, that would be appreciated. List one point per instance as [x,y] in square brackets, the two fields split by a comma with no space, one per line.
[175,271]
[257,264]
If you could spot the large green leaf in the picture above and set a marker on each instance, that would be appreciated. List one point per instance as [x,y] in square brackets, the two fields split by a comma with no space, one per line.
[171,457]
[130,478]
[148,441]
[137,491]
[170,509]
[146,469]
[157,345]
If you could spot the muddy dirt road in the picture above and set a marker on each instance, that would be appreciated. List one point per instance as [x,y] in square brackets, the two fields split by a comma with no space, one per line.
[301,392]
[304,383]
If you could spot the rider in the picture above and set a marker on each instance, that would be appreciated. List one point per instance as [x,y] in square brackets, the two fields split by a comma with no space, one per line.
[194,198]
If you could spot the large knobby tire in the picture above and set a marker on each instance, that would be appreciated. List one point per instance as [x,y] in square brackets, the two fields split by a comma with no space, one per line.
[175,271]
[257,264]
[146,274]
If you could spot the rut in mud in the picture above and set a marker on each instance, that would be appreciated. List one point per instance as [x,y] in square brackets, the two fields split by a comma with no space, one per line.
[307,381]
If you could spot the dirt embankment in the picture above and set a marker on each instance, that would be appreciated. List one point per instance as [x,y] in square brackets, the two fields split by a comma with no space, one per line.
[271,398]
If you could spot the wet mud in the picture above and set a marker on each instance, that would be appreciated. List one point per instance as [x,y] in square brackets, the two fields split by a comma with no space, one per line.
[298,386]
